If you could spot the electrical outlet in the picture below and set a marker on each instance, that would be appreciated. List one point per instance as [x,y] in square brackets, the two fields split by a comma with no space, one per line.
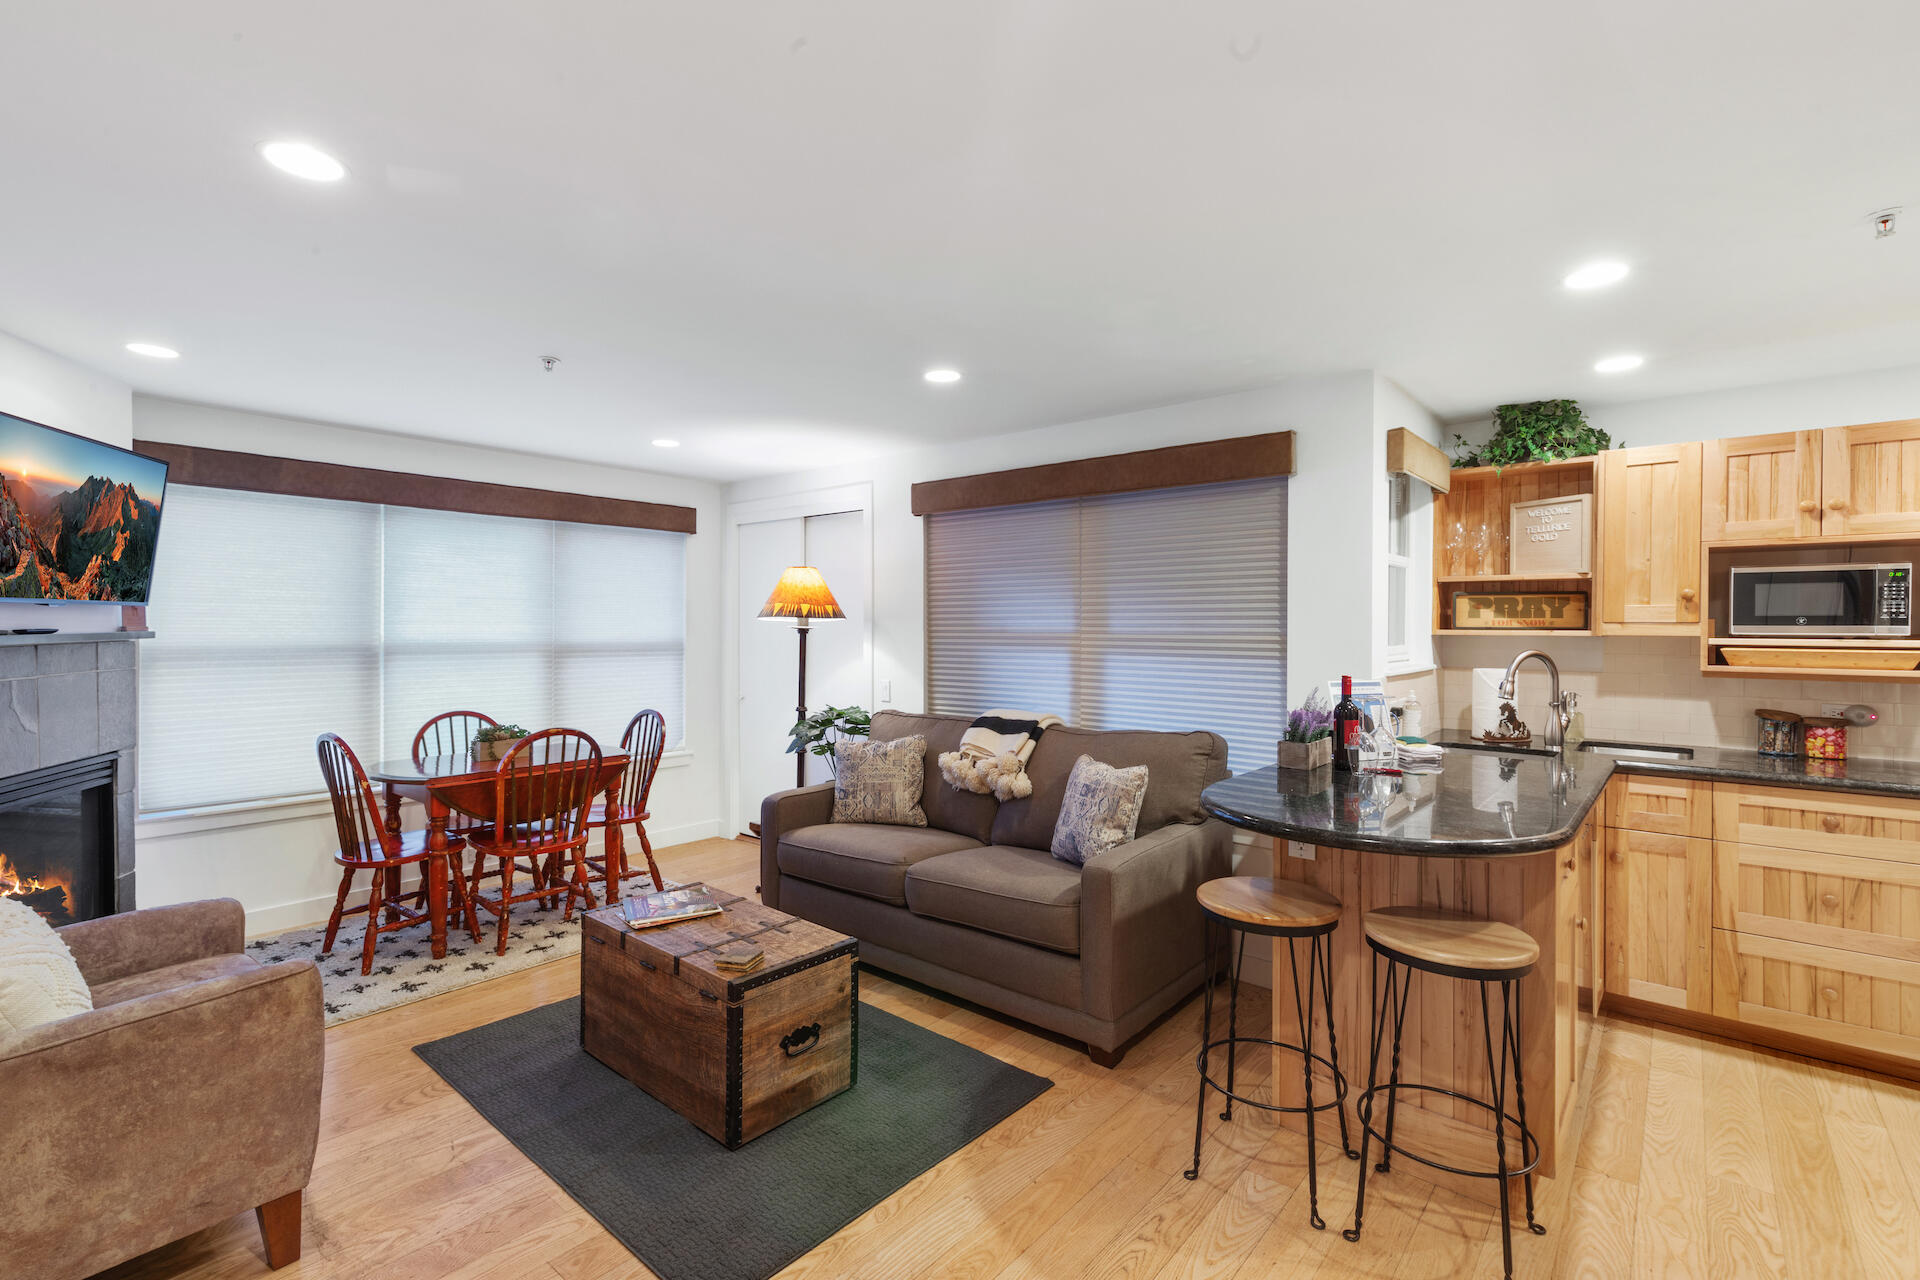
[886,691]
[1300,849]
[1834,710]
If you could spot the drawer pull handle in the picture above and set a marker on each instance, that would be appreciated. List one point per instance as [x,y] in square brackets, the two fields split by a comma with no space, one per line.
[1831,901]
[1808,504]
[1687,594]
[1829,995]
[801,1040]
[1830,821]
[644,964]
[708,995]
[1838,504]
[596,940]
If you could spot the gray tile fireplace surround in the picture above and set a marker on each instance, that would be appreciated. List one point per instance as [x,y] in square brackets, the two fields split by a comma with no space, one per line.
[63,700]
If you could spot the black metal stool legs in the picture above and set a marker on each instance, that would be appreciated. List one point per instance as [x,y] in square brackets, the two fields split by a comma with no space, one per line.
[1316,980]
[1366,1099]
[1520,1097]
[1333,1042]
[1390,1005]
[1206,1044]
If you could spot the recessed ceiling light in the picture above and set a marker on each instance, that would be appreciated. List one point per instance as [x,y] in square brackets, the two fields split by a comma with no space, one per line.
[303,160]
[1618,364]
[941,377]
[1596,275]
[666,444]
[153,350]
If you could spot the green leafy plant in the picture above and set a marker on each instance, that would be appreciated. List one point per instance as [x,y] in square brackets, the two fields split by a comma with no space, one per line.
[499,733]
[1538,431]
[818,732]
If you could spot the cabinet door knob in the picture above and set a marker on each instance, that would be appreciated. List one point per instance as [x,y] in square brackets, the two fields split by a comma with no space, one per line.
[1809,505]
[1688,593]
[1829,995]
[1838,504]
[1579,922]
[1571,865]
[1831,901]
[1830,821]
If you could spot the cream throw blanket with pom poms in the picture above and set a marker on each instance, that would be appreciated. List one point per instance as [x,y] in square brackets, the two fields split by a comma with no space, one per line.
[993,754]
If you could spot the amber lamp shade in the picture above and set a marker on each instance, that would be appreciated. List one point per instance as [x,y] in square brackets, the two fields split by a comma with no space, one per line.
[801,593]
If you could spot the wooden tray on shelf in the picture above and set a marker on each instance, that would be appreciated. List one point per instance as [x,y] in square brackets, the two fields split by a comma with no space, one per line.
[1823,659]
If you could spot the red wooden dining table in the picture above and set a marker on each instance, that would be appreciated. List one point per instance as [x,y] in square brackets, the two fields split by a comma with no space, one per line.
[449,783]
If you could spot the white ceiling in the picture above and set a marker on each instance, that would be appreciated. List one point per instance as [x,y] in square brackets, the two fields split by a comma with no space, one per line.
[751,224]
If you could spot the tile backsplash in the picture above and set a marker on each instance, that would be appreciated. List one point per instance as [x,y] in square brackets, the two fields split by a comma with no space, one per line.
[1649,689]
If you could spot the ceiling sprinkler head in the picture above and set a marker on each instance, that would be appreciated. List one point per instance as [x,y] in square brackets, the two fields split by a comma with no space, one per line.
[549,363]
[1885,222]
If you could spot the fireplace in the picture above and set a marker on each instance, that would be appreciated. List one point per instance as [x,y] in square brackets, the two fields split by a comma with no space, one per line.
[57,839]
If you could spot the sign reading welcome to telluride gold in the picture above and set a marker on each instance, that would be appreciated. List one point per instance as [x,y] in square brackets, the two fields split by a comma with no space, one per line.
[1519,611]
[1550,536]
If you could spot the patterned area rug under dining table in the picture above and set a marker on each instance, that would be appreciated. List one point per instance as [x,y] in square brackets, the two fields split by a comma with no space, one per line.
[404,969]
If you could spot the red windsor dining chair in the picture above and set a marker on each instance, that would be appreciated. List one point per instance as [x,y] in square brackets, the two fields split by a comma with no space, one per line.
[367,845]
[542,791]
[448,734]
[644,741]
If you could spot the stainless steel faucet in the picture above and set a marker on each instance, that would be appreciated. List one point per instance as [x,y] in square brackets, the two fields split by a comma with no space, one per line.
[1559,705]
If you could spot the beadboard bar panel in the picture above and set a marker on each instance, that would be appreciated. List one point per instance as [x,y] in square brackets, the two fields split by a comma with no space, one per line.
[1212,462]
[258,473]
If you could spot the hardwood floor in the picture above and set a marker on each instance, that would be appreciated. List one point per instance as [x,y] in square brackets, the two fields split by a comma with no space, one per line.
[1699,1159]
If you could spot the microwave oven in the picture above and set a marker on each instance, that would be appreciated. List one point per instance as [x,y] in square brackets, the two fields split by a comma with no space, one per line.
[1820,600]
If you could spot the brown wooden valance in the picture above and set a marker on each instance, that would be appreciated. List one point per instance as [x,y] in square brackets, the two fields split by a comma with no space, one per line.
[1408,454]
[258,473]
[1212,462]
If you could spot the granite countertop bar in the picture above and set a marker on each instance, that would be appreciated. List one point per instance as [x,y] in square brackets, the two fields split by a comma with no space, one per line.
[1490,804]
[1481,805]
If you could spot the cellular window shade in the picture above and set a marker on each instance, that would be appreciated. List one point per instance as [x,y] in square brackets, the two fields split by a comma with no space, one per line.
[1164,609]
[543,623]
[267,610]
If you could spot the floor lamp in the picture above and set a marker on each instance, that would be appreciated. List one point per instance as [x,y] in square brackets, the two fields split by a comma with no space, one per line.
[801,594]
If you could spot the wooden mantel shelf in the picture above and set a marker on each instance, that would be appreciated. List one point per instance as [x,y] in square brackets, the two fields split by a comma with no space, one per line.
[76,637]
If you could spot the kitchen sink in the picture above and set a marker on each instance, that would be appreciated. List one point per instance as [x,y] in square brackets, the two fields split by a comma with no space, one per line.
[1649,750]
[1497,748]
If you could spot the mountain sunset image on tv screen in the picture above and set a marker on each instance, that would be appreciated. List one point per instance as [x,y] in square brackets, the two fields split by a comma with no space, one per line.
[79,520]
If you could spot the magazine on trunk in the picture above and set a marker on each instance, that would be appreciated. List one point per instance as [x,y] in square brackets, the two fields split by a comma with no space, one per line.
[668,907]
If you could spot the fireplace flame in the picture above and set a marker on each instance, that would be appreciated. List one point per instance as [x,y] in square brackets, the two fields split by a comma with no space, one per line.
[51,898]
[15,885]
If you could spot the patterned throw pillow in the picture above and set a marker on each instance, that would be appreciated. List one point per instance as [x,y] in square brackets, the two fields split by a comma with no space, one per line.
[1100,810]
[880,781]
[39,982]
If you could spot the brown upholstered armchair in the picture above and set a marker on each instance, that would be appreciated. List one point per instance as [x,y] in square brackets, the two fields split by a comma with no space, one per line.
[190,1093]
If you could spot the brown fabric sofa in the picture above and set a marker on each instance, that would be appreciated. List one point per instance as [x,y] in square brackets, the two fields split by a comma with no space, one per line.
[976,905]
[190,1093]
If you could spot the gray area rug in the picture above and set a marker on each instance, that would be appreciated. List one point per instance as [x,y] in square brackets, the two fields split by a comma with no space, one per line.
[685,1205]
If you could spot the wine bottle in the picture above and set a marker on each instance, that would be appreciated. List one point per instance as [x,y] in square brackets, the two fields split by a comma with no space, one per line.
[1347,726]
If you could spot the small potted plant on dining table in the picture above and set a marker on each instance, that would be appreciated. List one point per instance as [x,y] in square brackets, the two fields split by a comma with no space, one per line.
[1308,743]
[494,742]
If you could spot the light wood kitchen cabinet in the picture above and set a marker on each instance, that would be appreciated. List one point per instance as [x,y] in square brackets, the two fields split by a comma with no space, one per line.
[1850,998]
[1870,479]
[1761,488]
[1849,823]
[1659,894]
[1663,806]
[1650,536]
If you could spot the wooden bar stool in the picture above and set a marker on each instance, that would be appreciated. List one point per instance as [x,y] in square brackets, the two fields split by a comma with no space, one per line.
[1451,945]
[1274,909]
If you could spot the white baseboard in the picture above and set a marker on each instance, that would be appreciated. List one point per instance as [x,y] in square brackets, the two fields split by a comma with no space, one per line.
[310,911]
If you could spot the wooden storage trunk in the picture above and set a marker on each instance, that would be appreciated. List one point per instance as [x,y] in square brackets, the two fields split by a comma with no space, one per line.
[736,1054]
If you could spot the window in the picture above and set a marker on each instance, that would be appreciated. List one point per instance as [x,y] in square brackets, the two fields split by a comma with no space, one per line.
[1158,610]
[281,618]
[1399,568]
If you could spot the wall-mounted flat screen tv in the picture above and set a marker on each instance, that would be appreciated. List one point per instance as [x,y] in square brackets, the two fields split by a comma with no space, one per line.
[79,520]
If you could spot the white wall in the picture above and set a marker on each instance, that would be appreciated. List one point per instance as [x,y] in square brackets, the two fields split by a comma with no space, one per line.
[40,386]
[276,858]
[1338,454]
[1806,404]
